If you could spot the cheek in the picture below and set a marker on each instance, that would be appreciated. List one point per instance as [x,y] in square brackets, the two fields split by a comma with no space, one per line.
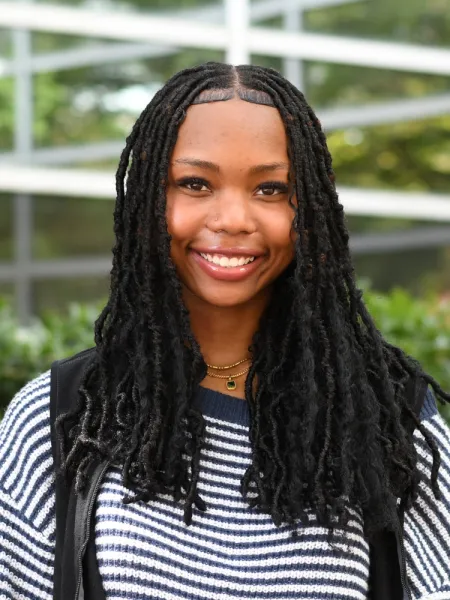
[182,222]
[279,232]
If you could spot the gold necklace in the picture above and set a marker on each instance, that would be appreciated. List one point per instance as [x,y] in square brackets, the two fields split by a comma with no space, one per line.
[239,362]
[231,383]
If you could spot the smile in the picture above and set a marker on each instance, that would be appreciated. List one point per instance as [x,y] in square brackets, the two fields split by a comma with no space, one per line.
[228,261]
[233,267]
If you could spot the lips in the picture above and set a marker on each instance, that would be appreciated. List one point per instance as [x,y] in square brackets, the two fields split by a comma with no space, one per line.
[227,261]
[230,264]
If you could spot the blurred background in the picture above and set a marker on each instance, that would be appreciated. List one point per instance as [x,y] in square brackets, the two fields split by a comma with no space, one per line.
[75,75]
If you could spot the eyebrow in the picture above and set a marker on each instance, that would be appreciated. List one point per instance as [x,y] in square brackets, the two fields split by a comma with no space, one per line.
[196,162]
[276,166]
[206,164]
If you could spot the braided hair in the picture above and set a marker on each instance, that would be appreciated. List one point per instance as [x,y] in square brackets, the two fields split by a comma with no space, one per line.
[330,417]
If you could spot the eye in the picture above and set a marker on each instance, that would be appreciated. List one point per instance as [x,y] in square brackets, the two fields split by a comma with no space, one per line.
[272,188]
[194,184]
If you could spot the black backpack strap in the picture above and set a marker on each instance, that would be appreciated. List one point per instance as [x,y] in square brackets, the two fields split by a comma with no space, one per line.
[418,393]
[89,583]
[385,580]
[71,535]
[387,567]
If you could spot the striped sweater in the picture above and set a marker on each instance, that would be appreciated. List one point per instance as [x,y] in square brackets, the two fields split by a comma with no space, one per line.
[229,552]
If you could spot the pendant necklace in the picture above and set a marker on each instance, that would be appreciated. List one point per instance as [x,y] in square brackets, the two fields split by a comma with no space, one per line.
[231,384]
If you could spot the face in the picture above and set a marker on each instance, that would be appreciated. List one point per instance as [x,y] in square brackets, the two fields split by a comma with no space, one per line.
[228,209]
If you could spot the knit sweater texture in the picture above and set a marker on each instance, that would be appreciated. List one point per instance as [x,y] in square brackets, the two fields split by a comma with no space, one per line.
[145,551]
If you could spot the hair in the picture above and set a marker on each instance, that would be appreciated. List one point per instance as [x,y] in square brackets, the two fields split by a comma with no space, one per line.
[330,419]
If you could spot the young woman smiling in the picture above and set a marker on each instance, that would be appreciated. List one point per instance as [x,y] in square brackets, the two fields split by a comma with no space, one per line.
[241,428]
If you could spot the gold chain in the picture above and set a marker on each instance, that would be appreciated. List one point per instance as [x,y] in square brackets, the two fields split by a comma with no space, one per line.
[228,366]
[228,376]
[231,383]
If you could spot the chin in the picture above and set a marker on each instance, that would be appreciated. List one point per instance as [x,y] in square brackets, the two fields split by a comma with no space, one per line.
[224,300]
[227,295]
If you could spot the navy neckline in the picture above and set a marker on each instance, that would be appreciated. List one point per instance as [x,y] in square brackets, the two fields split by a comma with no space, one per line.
[222,407]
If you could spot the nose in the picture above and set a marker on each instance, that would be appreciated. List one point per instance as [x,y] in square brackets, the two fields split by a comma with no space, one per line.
[232,213]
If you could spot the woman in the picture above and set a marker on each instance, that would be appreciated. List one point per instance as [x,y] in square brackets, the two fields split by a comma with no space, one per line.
[255,421]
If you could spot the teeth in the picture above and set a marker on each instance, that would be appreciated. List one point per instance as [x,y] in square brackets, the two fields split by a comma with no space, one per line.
[225,261]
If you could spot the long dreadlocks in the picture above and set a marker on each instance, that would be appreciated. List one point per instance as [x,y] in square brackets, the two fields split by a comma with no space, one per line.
[330,417]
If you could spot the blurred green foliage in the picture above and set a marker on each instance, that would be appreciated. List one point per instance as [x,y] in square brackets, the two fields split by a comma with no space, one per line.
[84,104]
[25,352]
[98,103]
[420,326]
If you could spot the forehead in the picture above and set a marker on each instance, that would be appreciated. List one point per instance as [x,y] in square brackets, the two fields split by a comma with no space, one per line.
[233,126]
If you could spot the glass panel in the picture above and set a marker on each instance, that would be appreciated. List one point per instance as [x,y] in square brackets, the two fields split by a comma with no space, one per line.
[106,164]
[173,6]
[66,227]
[362,224]
[6,113]
[6,228]
[403,21]
[409,156]
[419,270]
[101,102]
[331,84]
[6,291]
[5,43]
[57,294]
[139,5]
[410,21]
[272,62]
[43,42]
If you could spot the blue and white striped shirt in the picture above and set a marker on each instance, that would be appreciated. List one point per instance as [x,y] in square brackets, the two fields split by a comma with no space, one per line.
[145,551]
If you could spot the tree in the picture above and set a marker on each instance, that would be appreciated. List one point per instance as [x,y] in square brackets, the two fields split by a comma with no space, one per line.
[81,105]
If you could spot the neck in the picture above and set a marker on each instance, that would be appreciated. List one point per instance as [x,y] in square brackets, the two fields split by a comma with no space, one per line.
[224,333]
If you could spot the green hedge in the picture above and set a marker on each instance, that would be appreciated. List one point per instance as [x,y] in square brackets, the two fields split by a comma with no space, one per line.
[27,351]
[420,326]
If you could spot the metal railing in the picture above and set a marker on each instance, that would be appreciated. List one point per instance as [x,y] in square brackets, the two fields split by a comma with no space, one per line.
[233,26]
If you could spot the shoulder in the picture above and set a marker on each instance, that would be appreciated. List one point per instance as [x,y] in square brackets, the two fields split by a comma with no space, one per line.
[429,407]
[26,461]
[27,414]
[427,523]
[439,432]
